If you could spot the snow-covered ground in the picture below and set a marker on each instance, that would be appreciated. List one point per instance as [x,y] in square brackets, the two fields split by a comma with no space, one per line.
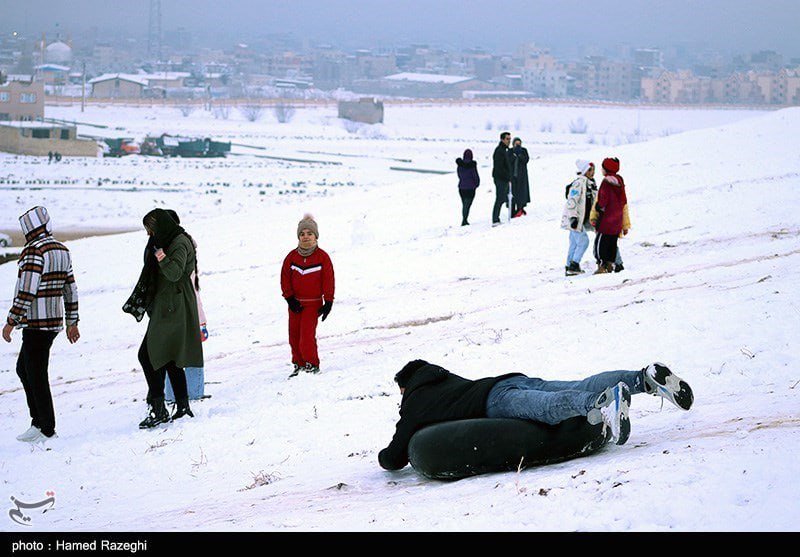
[709,288]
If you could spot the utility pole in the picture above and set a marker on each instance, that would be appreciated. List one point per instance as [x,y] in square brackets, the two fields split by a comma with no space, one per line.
[154,30]
[83,89]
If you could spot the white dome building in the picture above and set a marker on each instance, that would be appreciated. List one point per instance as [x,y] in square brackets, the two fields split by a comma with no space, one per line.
[58,52]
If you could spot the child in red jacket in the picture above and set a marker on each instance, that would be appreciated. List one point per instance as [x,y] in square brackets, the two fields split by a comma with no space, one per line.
[609,216]
[307,282]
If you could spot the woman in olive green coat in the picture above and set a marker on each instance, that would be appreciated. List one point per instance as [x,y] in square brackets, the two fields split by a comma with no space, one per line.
[173,340]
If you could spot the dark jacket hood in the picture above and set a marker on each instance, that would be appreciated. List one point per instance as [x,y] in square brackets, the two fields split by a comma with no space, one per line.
[466,164]
[427,374]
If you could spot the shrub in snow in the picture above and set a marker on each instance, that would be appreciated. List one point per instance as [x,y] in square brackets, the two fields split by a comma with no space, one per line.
[578,126]
[186,109]
[352,126]
[283,112]
[221,111]
[251,112]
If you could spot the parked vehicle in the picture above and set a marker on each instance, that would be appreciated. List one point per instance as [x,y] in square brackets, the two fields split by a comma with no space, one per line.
[119,147]
[174,146]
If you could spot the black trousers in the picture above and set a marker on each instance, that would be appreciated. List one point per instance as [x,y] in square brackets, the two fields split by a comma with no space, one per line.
[500,197]
[605,248]
[467,197]
[32,363]
[155,377]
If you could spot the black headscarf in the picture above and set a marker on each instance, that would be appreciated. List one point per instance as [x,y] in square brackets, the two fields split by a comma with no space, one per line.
[163,229]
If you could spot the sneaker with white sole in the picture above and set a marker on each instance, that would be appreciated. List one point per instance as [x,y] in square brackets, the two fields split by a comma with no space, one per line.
[41,437]
[659,380]
[31,433]
[613,405]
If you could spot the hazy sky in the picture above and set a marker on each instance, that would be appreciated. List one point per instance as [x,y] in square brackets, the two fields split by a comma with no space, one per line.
[733,26]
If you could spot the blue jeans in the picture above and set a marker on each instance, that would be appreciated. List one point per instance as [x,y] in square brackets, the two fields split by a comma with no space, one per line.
[578,243]
[552,402]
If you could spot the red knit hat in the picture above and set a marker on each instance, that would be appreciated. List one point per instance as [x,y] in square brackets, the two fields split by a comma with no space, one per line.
[611,165]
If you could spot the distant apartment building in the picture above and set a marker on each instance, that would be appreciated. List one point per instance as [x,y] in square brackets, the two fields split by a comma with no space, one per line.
[544,76]
[21,100]
[648,58]
[773,88]
[331,69]
[609,79]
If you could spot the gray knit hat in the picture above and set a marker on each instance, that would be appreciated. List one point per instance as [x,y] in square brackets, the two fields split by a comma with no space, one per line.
[308,222]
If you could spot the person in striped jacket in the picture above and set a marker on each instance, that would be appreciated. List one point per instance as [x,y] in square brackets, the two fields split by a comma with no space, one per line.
[307,284]
[45,296]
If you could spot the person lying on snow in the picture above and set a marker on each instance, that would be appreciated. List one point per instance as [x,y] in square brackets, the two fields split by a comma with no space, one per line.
[431,394]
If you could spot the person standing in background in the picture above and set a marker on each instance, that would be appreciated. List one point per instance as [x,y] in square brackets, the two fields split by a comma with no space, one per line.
[520,188]
[468,182]
[609,216]
[501,173]
[575,218]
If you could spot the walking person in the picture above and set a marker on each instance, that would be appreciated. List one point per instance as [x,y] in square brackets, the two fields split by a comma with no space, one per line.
[165,291]
[468,182]
[431,394]
[575,218]
[501,173]
[45,297]
[520,188]
[307,284]
[609,216]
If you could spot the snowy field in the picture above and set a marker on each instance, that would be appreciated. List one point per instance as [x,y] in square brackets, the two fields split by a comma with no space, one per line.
[712,263]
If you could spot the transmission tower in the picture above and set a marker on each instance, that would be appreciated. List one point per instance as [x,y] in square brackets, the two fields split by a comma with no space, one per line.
[154,30]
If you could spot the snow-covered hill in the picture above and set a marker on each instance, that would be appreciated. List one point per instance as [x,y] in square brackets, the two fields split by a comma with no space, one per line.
[712,264]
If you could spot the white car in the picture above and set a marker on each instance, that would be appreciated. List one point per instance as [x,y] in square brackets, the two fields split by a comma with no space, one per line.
[5,240]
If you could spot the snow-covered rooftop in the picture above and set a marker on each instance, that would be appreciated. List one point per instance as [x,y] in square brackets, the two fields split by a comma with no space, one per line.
[135,78]
[37,125]
[52,67]
[428,78]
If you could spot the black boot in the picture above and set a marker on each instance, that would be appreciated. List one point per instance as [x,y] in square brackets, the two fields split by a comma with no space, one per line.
[157,415]
[182,409]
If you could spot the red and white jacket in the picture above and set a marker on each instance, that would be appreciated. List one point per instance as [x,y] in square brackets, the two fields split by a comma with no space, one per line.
[308,278]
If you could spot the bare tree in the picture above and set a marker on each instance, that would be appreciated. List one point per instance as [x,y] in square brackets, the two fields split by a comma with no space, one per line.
[221,111]
[578,126]
[251,112]
[186,109]
[284,112]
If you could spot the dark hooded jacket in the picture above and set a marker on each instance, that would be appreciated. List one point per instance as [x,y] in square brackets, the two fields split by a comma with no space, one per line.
[467,170]
[434,395]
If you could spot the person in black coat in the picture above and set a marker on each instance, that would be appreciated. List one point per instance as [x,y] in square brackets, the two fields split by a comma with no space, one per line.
[468,182]
[431,394]
[520,189]
[501,173]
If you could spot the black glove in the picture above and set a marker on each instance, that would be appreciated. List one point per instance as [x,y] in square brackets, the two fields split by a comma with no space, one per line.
[294,305]
[573,222]
[325,309]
